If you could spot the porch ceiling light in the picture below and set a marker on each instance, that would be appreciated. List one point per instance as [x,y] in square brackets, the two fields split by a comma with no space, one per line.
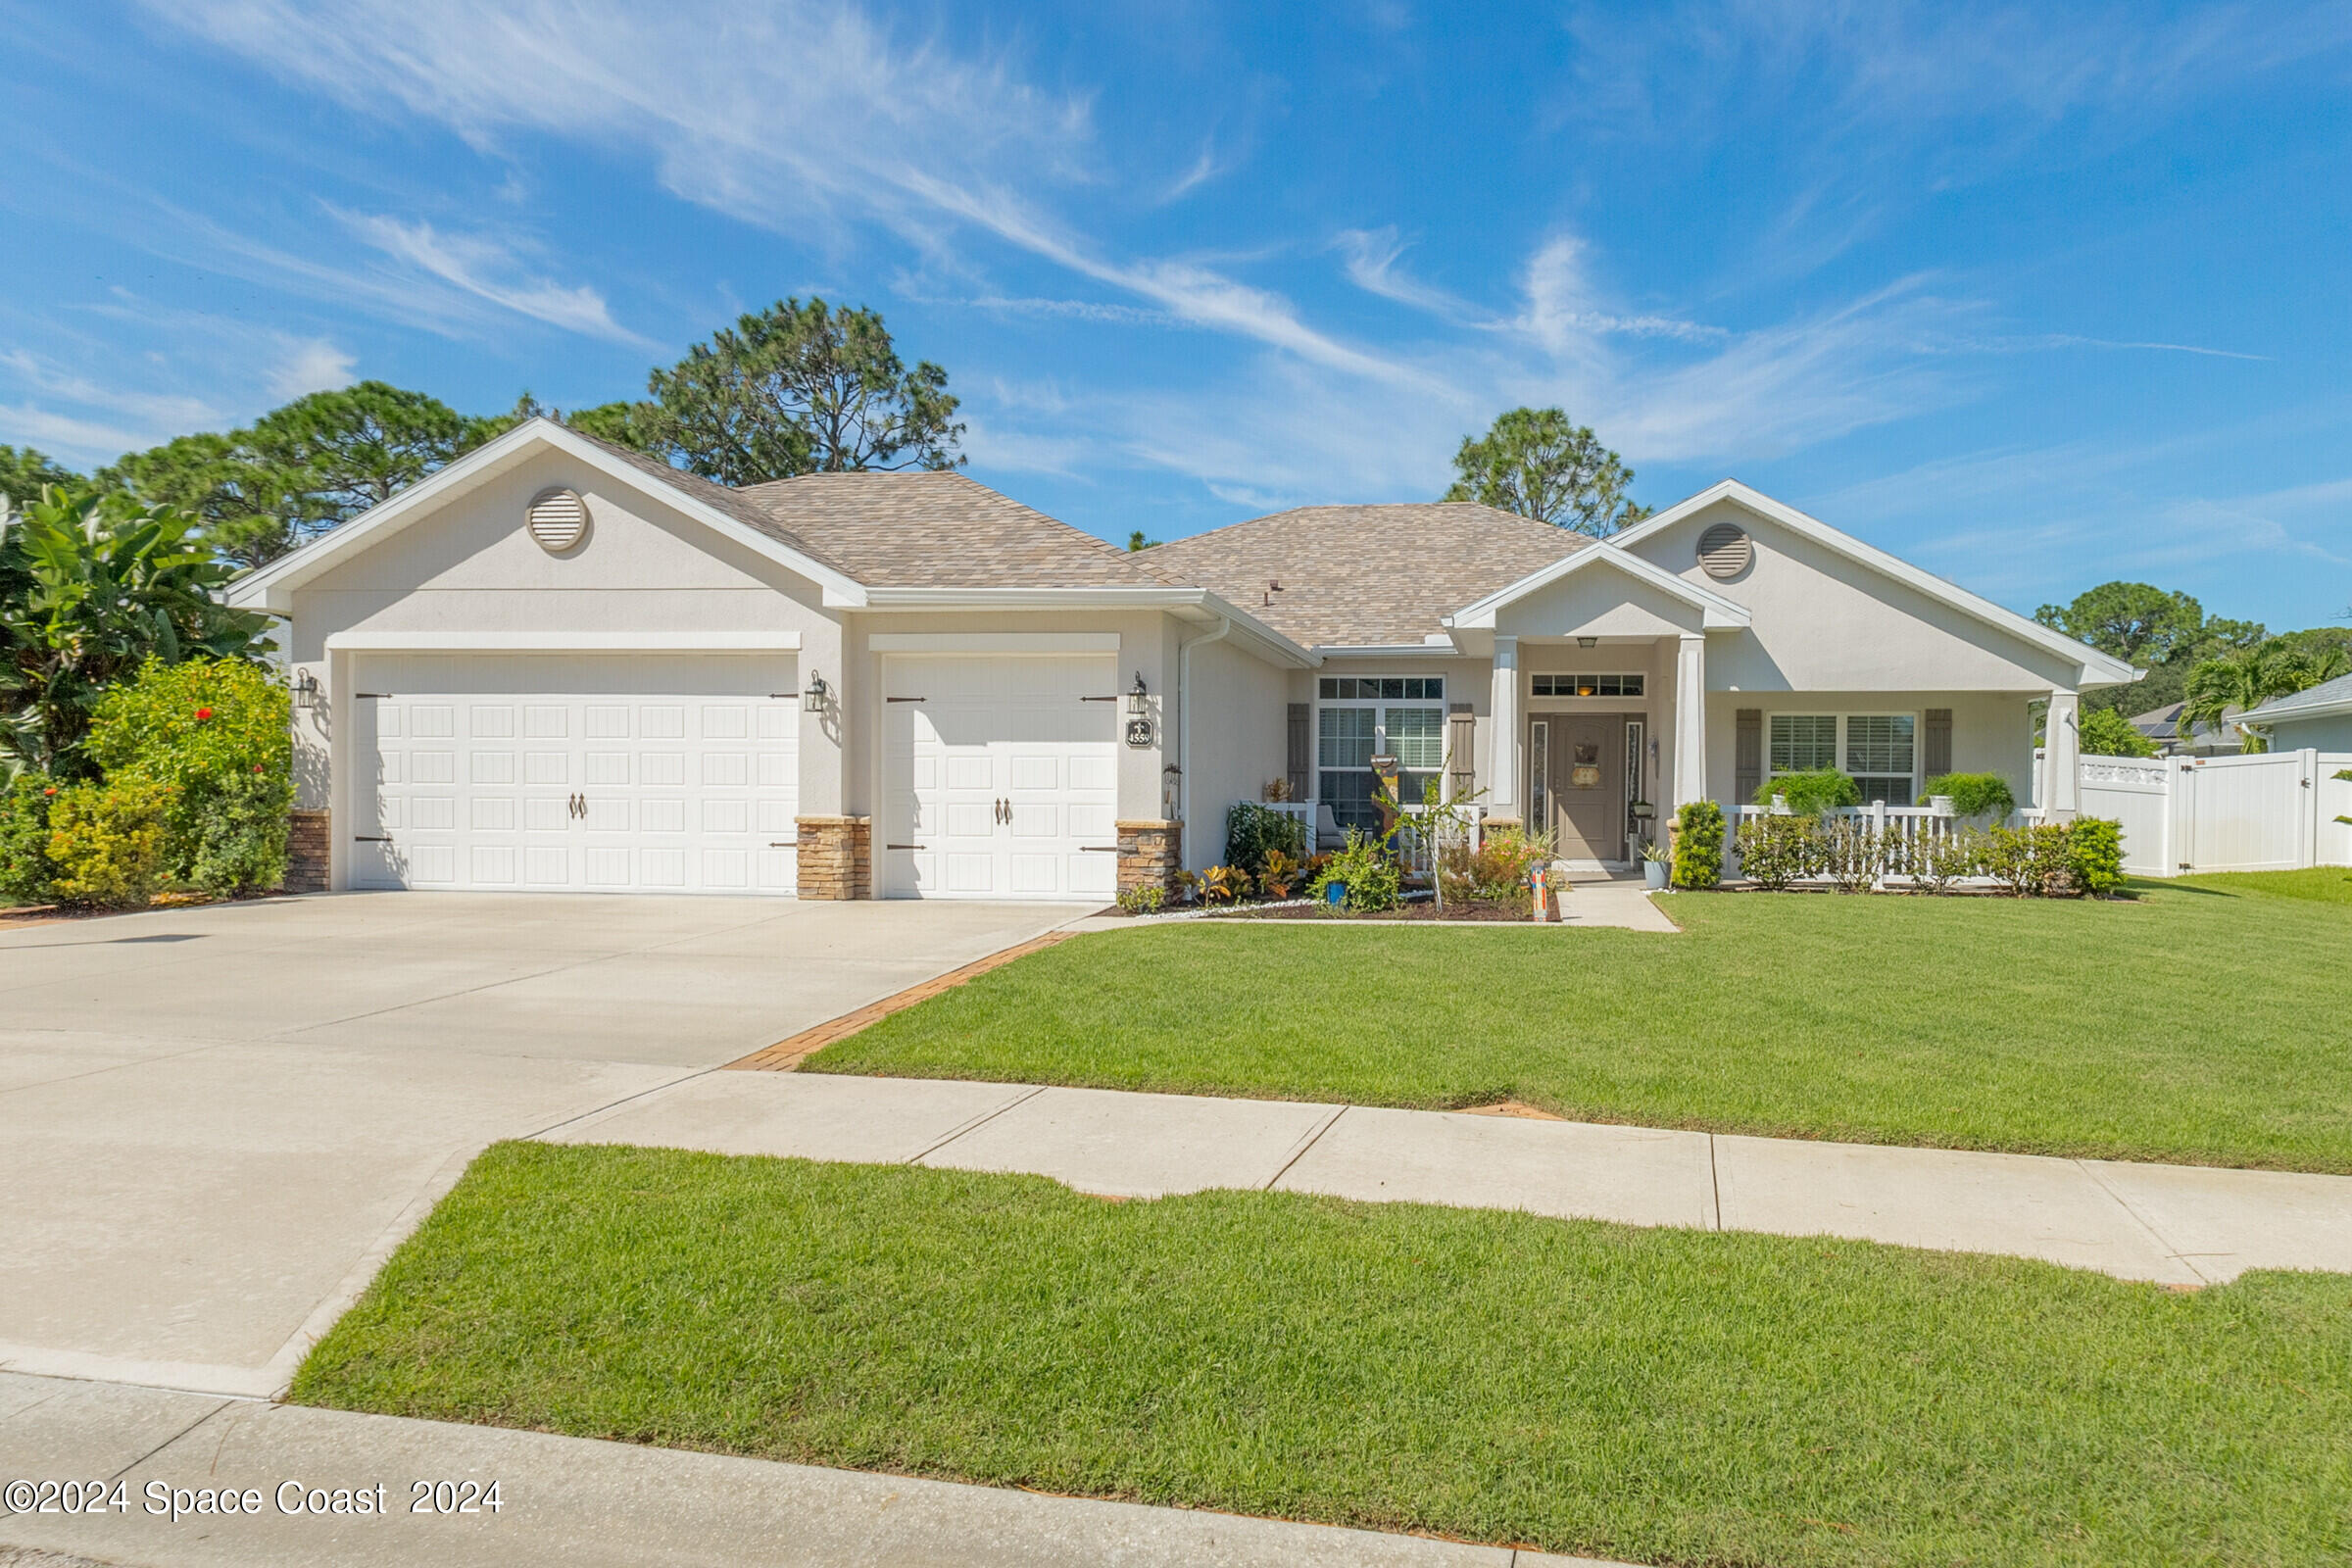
[1587,642]
[813,700]
[1135,695]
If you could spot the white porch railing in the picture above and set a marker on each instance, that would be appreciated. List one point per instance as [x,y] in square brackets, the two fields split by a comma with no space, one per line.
[1902,831]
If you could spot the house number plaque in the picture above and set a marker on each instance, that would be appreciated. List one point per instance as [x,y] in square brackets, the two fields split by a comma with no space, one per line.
[1138,732]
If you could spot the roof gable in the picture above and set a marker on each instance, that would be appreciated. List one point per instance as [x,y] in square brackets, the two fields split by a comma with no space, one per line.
[713,506]
[1716,611]
[2098,669]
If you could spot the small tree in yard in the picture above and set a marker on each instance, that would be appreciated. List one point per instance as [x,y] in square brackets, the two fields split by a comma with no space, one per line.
[214,736]
[2108,733]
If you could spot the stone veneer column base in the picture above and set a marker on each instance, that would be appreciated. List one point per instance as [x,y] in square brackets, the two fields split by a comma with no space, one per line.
[310,852]
[1147,853]
[836,857]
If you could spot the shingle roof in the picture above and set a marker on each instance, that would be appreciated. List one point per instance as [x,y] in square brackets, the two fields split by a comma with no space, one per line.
[2327,694]
[1369,573]
[919,529]
[928,529]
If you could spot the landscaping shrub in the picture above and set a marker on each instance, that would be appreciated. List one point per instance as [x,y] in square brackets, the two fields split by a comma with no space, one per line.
[1252,832]
[1699,844]
[2030,860]
[215,732]
[2094,854]
[2108,733]
[1495,872]
[1775,850]
[107,841]
[1810,793]
[1280,876]
[1973,794]
[1852,853]
[1945,858]
[1371,875]
[26,872]
[1222,884]
[1145,899]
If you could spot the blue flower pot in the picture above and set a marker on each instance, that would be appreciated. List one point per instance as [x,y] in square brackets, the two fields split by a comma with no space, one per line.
[1335,894]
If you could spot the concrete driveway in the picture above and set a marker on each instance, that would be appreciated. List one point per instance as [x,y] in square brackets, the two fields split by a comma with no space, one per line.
[216,1123]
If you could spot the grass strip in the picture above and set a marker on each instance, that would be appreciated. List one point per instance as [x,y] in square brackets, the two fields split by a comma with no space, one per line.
[1652,1395]
[2191,1025]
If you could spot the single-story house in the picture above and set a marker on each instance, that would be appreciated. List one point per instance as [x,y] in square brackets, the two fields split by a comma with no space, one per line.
[2318,717]
[2162,727]
[560,665]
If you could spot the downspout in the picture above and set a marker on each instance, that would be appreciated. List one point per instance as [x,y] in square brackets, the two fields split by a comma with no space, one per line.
[1184,733]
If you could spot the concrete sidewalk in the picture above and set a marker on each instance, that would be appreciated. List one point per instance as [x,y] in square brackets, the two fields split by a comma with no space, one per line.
[2173,1224]
[585,1503]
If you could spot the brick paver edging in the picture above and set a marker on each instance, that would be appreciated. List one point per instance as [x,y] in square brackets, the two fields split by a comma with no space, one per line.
[786,1055]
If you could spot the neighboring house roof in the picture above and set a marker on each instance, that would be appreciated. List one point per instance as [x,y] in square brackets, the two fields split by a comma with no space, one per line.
[2163,726]
[2326,700]
[2098,669]
[1369,575]
[930,530]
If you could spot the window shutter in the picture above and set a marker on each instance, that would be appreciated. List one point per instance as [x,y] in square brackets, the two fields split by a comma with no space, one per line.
[1461,761]
[1748,754]
[1301,744]
[1936,753]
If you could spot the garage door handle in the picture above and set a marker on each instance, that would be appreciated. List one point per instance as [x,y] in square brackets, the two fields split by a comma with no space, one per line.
[364,838]
[1098,849]
[901,846]
[902,699]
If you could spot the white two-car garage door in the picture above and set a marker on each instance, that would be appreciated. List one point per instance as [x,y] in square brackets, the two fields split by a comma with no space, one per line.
[614,773]
[1001,778]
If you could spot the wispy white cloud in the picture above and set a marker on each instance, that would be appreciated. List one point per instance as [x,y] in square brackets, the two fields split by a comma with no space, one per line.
[488,268]
[1204,169]
[309,365]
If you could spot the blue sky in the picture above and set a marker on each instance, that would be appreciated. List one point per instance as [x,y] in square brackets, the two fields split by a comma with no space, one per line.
[2036,296]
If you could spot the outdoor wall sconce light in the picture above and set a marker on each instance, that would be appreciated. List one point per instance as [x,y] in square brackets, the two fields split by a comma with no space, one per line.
[305,689]
[1135,695]
[813,700]
[1587,642]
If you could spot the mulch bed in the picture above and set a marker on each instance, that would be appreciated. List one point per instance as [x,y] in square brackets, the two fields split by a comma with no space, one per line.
[1419,909]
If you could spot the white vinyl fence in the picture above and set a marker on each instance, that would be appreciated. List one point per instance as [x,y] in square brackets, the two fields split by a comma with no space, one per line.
[2272,812]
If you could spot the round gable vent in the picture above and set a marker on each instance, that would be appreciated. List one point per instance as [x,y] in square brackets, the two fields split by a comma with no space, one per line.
[1725,550]
[557,519]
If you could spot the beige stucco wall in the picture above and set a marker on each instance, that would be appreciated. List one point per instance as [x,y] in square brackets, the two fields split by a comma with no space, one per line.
[472,569]
[1992,732]
[1823,622]
[1241,739]
[1597,601]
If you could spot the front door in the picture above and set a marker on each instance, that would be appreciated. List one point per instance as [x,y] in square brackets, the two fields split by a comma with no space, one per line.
[1584,778]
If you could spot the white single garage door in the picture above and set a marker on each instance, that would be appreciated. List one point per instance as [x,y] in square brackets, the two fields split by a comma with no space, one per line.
[1001,778]
[582,773]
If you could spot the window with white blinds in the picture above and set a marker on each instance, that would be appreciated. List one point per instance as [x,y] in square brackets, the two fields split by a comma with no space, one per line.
[1879,751]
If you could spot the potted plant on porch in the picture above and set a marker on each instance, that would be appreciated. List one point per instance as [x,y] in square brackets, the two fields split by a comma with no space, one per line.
[1656,860]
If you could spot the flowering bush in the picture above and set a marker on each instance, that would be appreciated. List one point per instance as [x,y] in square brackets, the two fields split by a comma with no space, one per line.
[215,732]
[1496,872]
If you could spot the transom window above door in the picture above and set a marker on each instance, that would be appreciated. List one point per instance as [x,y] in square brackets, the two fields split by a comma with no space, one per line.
[1881,751]
[1628,685]
[1363,716]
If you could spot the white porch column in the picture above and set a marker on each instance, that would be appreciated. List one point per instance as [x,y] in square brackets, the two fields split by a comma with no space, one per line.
[1502,789]
[2061,757]
[1691,720]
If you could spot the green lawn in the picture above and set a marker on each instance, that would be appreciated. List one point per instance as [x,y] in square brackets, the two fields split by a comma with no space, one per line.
[2197,1023]
[1654,1395]
[2324,884]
